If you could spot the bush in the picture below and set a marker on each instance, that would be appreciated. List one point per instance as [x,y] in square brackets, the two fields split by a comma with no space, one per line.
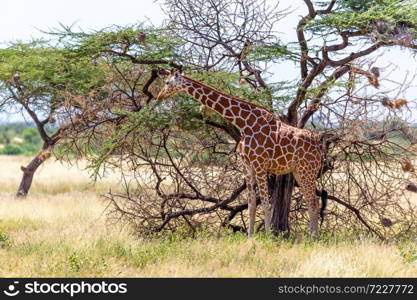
[10,149]
[29,149]
[31,136]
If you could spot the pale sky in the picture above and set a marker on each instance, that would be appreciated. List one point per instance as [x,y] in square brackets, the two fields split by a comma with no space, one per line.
[22,20]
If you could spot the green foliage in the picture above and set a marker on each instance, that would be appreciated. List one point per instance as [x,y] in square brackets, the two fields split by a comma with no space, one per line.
[408,251]
[273,52]
[31,135]
[78,262]
[4,240]
[140,41]
[10,149]
[45,71]
[32,141]
[360,15]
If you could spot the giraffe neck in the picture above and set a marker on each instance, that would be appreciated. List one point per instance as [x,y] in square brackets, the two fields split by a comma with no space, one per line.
[239,112]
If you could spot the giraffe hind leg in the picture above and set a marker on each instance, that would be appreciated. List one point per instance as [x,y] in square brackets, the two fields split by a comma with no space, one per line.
[308,189]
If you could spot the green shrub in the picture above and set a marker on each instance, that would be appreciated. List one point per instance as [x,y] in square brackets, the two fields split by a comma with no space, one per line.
[31,136]
[29,149]
[4,240]
[10,149]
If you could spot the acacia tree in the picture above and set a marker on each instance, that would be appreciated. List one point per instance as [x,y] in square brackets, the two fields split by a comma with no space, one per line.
[33,80]
[331,38]
[62,87]
[177,161]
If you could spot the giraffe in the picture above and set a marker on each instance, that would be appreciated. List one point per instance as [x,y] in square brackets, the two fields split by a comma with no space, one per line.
[267,146]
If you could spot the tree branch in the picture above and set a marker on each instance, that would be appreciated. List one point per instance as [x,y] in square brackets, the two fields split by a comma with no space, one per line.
[355,211]
[204,210]
[323,88]
[352,56]
[23,101]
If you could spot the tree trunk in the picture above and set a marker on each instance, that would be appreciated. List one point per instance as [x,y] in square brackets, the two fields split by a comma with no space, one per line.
[281,188]
[31,168]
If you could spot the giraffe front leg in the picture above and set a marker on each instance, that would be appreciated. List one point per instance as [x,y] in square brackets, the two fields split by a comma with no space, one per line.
[262,181]
[250,182]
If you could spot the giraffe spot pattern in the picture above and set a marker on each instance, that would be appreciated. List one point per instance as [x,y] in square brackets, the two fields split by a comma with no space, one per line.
[267,145]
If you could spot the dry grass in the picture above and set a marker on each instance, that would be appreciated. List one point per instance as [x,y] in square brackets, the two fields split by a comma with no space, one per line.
[60,230]
[52,177]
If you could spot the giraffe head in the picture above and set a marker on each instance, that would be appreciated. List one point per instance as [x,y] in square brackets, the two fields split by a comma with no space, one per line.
[173,84]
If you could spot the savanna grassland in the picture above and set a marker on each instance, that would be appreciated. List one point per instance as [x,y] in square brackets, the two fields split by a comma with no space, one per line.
[61,229]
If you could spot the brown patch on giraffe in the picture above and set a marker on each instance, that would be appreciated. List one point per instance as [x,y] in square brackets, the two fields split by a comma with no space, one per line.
[253,144]
[269,143]
[228,113]
[289,156]
[251,120]
[244,106]
[259,150]
[273,166]
[309,156]
[248,131]
[300,152]
[235,110]
[244,114]
[282,161]
[252,155]
[285,141]
[223,101]
[239,123]
[260,138]
[256,128]
[213,97]
[278,151]
[206,91]
[270,151]
[265,129]
[208,102]
[218,108]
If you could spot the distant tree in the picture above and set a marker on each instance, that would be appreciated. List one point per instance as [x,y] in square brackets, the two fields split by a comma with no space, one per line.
[10,149]
[31,135]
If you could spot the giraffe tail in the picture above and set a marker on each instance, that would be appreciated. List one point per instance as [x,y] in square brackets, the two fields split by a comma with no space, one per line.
[323,196]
